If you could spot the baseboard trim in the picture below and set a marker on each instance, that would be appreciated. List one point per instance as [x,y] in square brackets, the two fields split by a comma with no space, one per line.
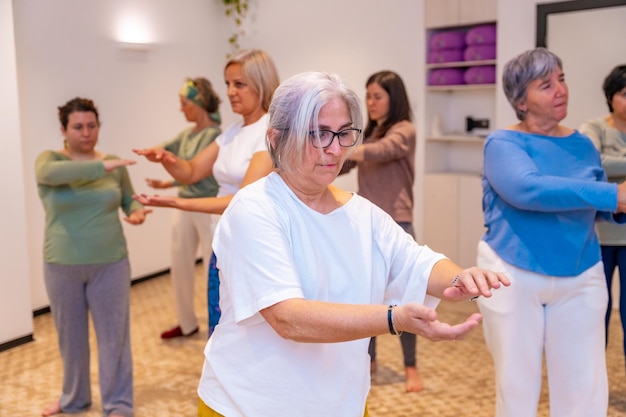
[134,281]
[16,342]
[44,310]
[149,277]
[41,311]
[157,274]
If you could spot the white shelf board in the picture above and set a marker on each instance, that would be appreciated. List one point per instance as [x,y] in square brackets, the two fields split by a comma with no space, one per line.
[461,64]
[460,87]
[458,138]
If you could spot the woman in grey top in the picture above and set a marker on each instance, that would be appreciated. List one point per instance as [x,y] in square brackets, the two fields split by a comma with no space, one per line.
[608,134]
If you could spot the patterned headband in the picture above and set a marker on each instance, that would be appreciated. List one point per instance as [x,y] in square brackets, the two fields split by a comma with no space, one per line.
[190,91]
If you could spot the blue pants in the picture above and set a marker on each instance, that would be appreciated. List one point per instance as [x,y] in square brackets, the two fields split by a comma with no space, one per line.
[213,295]
[615,256]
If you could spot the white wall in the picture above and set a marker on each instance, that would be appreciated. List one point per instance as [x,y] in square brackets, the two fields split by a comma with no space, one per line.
[585,59]
[351,38]
[15,309]
[67,48]
[516,33]
[587,62]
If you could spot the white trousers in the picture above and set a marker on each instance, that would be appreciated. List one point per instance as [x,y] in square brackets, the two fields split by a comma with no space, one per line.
[189,229]
[561,317]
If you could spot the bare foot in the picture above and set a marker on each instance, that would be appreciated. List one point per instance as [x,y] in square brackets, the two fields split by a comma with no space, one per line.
[373,367]
[51,409]
[413,381]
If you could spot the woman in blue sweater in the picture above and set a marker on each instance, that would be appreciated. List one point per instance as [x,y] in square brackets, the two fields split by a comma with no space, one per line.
[543,190]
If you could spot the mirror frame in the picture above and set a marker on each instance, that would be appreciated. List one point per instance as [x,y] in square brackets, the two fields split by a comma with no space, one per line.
[543,10]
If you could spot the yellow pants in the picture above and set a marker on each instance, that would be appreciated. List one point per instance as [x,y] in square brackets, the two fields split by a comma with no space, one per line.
[205,411]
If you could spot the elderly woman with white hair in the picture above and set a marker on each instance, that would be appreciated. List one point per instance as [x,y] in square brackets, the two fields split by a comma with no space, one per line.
[311,272]
[544,189]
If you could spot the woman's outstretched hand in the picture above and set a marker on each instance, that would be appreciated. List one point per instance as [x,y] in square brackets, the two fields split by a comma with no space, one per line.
[156,155]
[621,197]
[474,282]
[159,184]
[157,200]
[138,216]
[419,319]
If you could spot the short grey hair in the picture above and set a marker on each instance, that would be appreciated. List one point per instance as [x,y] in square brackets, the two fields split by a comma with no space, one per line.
[525,68]
[295,109]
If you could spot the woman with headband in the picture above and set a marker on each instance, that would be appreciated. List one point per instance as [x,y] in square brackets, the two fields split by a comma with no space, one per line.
[199,103]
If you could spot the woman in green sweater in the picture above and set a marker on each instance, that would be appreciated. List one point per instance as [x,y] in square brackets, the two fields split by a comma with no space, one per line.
[190,230]
[86,266]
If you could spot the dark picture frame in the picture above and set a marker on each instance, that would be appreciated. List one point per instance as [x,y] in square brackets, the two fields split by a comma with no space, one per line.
[545,9]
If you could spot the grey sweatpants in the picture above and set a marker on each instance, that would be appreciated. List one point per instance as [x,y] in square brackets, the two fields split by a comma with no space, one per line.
[103,289]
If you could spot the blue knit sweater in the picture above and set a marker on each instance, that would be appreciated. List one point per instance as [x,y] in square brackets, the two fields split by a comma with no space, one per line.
[541,198]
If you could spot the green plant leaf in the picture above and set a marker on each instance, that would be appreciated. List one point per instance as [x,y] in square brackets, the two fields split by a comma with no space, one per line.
[236,10]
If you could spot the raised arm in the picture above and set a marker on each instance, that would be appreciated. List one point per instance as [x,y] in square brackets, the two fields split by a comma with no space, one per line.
[135,212]
[322,322]
[50,170]
[185,172]
[260,165]
[397,143]
[449,281]
[527,187]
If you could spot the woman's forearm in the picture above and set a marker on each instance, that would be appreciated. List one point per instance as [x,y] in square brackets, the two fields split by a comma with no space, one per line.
[181,170]
[311,321]
[441,277]
[212,205]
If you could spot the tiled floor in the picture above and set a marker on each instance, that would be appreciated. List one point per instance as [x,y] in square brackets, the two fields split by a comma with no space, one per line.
[458,376]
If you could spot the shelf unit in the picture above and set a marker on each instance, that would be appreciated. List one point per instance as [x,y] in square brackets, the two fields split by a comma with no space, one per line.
[453,218]
[472,139]
[453,149]
[454,154]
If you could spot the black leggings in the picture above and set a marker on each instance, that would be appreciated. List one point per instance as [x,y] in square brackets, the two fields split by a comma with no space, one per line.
[407,340]
[615,256]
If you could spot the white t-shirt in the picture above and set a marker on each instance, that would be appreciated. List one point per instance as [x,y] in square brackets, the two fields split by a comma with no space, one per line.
[237,145]
[271,247]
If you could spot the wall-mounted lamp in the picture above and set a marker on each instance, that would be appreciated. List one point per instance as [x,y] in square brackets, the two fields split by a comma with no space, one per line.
[136,46]
[133,31]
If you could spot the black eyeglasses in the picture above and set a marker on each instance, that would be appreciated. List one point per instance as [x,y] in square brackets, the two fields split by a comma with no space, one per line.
[323,138]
